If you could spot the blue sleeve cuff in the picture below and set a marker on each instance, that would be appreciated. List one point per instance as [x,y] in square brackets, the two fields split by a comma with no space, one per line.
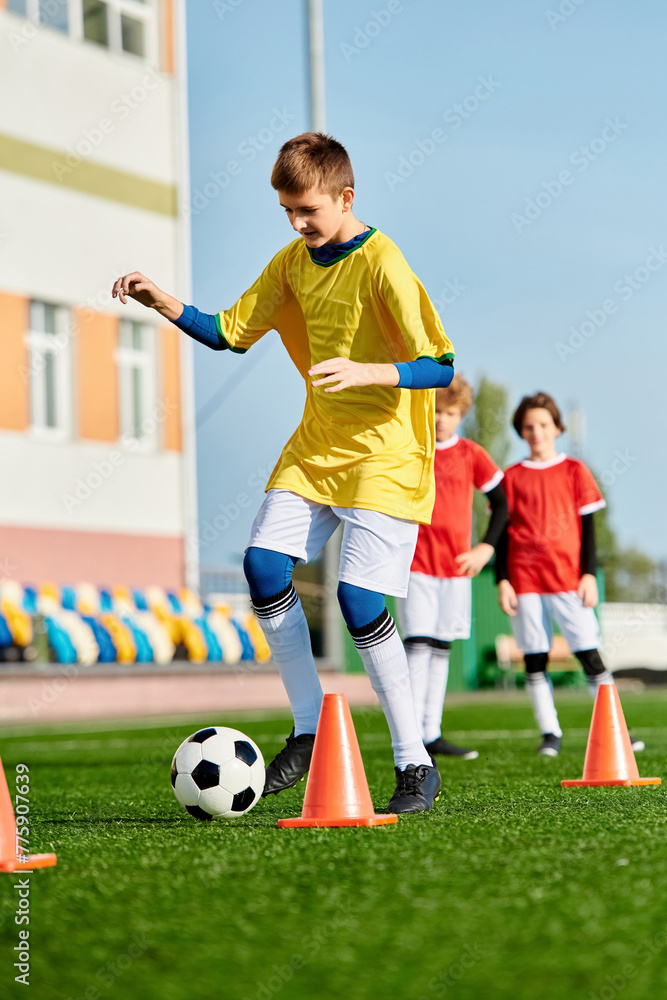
[201,327]
[424,373]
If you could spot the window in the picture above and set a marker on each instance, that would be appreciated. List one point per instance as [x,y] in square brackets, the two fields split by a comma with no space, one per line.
[132,35]
[138,421]
[51,13]
[50,382]
[117,25]
[95,24]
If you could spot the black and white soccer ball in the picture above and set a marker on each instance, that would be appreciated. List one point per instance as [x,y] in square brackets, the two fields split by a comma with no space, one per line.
[218,772]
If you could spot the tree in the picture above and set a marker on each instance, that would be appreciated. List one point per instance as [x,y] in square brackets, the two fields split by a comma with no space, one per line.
[630,575]
[487,423]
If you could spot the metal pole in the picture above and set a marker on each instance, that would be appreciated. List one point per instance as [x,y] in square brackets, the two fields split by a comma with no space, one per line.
[332,625]
[184,249]
[317,99]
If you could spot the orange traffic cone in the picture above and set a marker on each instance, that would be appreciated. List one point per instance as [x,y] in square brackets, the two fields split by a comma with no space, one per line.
[609,756]
[337,791]
[12,856]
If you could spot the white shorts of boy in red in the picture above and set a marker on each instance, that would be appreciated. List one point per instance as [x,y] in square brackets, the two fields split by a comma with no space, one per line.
[532,624]
[438,607]
[376,550]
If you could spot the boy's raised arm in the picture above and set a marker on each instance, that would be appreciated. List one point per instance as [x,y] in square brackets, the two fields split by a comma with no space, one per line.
[140,288]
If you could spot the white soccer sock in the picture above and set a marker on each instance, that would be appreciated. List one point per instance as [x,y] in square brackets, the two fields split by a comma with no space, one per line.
[419,659]
[539,689]
[435,696]
[383,656]
[285,627]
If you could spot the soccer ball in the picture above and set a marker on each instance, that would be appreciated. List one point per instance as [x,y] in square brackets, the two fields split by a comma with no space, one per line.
[217,772]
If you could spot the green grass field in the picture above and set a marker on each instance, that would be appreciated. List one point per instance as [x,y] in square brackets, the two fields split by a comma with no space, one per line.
[511,887]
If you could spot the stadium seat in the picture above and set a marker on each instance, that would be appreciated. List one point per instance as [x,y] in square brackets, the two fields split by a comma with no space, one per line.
[126,650]
[219,617]
[257,638]
[65,622]
[5,635]
[193,607]
[157,632]
[18,620]
[182,630]
[87,604]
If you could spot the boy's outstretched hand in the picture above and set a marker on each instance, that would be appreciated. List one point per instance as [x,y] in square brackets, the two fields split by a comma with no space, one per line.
[470,563]
[587,591]
[507,598]
[350,373]
[140,288]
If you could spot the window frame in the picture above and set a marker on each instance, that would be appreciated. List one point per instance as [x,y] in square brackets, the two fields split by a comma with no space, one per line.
[144,361]
[58,344]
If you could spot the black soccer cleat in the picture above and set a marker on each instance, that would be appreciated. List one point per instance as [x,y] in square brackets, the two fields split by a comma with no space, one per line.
[445,749]
[417,788]
[290,765]
[550,745]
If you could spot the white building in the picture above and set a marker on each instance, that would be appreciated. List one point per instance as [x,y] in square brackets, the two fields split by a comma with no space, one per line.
[97,477]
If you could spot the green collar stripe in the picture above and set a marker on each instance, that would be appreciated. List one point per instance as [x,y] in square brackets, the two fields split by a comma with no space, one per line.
[236,350]
[346,253]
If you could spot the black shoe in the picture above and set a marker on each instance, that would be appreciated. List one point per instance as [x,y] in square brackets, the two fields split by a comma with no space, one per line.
[637,745]
[417,788]
[441,746]
[550,745]
[290,765]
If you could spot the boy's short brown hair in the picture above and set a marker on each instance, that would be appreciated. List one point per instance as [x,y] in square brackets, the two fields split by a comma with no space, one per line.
[458,393]
[312,160]
[540,401]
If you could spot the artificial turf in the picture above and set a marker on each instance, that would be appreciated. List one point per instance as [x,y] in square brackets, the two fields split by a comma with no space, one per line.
[511,887]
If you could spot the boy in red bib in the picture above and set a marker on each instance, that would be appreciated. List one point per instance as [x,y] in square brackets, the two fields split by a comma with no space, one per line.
[546,562]
[437,608]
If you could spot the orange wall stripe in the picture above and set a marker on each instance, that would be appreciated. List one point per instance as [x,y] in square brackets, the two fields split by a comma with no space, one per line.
[97,376]
[172,439]
[14,362]
[167,37]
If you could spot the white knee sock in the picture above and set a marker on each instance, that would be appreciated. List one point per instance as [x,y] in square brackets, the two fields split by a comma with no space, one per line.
[539,689]
[435,696]
[383,656]
[419,660]
[285,627]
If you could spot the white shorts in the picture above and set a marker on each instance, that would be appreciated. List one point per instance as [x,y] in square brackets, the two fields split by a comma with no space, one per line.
[376,552]
[436,607]
[532,623]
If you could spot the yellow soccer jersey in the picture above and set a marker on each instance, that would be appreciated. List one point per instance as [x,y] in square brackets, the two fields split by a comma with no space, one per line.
[369,446]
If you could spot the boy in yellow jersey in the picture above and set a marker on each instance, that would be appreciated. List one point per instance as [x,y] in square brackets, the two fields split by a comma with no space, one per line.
[362,332]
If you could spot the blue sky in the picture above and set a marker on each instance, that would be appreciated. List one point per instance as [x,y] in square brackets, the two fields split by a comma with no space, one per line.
[515,153]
